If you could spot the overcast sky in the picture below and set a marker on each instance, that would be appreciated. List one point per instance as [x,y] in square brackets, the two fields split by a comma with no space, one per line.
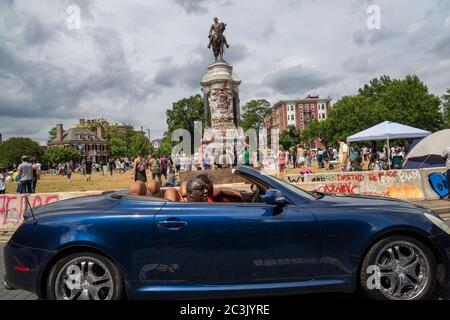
[132,59]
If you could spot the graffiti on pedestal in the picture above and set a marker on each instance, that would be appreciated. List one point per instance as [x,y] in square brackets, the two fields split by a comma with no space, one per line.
[439,183]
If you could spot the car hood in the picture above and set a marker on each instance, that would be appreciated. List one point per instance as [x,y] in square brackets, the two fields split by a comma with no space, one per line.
[87,204]
[372,203]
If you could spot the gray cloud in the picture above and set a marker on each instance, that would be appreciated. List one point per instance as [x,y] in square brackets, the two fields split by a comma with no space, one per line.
[37,33]
[199,6]
[130,61]
[297,80]
[373,37]
[191,73]
[442,45]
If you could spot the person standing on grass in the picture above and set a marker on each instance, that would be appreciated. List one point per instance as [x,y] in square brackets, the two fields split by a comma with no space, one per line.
[343,154]
[68,171]
[111,165]
[155,167]
[88,169]
[139,167]
[26,176]
[446,156]
[36,173]
[164,164]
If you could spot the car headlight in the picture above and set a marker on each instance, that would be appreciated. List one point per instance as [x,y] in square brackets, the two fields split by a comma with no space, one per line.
[438,222]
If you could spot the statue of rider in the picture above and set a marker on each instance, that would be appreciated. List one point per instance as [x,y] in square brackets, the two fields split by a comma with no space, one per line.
[215,29]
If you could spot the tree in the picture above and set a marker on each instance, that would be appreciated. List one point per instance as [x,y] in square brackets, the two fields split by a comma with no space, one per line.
[406,101]
[52,134]
[57,155]
[319,130]
[289,138]
[117,147]
[139,143]
[445,100]
[253,114]
[12,150]
[123,140]
[183,114]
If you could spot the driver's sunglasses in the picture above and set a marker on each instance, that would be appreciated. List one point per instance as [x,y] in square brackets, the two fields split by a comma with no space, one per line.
[200,189]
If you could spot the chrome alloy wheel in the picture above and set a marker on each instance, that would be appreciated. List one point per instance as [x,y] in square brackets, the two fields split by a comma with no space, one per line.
[84,278]
[404,270]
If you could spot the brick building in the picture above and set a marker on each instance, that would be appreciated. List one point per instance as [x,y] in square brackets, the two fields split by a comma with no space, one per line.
[88,143]
[299,113]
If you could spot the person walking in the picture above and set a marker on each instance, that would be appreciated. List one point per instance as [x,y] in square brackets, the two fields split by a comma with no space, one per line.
[139,167]
[446,156]
[281,162]
[88,166]
[25,176]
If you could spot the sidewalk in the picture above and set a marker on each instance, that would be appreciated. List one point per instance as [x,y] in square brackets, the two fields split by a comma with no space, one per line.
[440,206]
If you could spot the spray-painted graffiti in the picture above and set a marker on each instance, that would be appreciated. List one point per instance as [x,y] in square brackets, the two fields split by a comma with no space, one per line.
[439,183]
[12,207]
[402,184]
[405,192]
[346,187]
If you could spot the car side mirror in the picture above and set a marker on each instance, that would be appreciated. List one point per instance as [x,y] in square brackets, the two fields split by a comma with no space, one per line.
[274,197]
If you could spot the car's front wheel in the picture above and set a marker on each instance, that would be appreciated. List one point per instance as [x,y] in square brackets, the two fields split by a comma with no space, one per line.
[398,268]
[84,276]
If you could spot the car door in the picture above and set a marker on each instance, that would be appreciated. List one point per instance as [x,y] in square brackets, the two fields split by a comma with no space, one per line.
[236,243]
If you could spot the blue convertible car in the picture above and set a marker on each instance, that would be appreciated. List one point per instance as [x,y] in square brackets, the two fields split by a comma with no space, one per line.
[275,239]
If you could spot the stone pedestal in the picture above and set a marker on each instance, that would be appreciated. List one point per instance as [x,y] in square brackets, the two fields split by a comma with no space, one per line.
[220,87]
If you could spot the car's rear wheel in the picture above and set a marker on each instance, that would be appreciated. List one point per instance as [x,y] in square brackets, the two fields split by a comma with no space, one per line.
[398,268]
[84,276]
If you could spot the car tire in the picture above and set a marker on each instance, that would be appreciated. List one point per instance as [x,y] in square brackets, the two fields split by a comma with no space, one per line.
[396,278]
[84,275]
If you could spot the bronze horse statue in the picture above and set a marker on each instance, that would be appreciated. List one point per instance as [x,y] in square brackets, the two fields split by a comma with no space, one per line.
[219,41]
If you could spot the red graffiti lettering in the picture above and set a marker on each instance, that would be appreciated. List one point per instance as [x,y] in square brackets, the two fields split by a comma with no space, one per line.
[12,207]
[350,177]
[338,188]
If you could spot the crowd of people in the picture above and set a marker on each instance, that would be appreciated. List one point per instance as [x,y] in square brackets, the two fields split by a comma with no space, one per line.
[113,166]
[26,176]
[348,157]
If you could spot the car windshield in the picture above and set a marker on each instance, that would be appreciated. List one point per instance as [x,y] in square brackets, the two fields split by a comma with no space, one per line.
[298,191]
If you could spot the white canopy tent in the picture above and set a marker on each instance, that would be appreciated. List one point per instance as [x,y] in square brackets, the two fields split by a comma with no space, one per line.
[388,131]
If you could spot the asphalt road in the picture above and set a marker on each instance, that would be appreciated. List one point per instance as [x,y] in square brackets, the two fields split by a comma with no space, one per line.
[441,294]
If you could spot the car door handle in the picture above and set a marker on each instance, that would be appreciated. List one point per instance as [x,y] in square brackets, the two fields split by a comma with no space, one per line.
[172,224]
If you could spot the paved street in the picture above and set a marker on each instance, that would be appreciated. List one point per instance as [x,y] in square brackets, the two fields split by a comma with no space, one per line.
[11,294]
[23,295]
